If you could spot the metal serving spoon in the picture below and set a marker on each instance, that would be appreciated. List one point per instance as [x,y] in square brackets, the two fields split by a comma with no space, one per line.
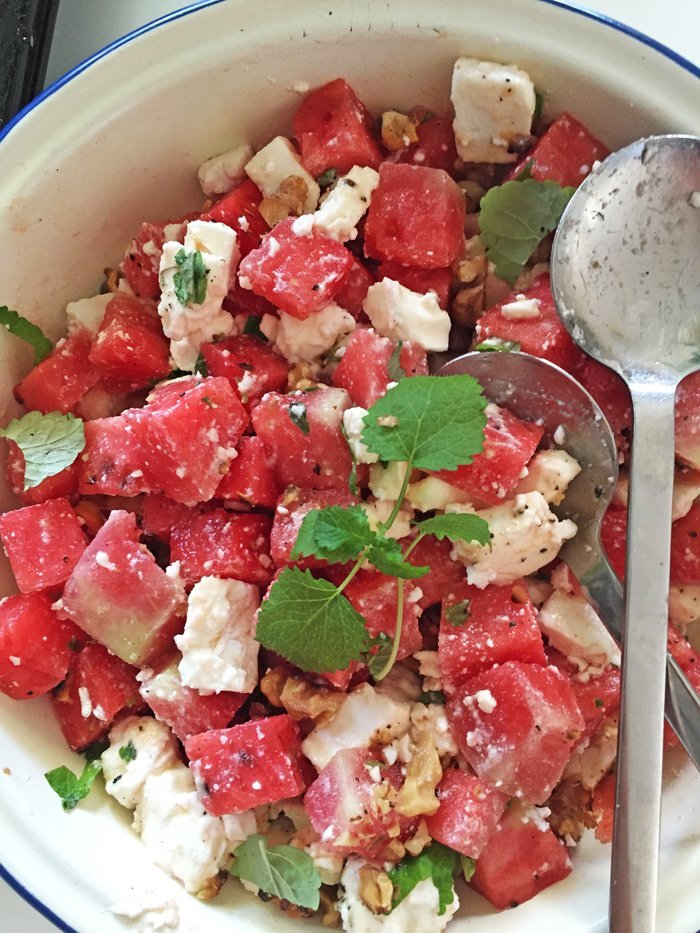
[626,278]
[536,390]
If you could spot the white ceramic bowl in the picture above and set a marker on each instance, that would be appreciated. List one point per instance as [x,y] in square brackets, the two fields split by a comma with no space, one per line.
[119,141]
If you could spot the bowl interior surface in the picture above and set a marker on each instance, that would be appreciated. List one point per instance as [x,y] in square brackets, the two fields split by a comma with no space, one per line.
[119,143]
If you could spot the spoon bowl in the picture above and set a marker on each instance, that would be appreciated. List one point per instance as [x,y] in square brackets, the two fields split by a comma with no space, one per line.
[626,279]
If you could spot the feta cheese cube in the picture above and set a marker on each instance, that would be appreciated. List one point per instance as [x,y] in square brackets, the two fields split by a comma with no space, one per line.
[308,340]
[155,750]
[223,172]
[431,493]
[189,325]
[366,717]
[522,309]
[219,650]
[549,472]
[87,313]
[386,479]
[397,312]
[493,106]
[684,603]
[276,161]
[346,204]
[353,427]
[378,512]
[525,535]
[573,627]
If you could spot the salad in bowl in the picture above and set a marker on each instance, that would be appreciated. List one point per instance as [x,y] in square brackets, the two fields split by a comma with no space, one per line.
[295,601]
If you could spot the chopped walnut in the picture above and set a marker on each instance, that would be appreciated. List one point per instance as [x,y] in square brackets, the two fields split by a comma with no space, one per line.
[376,889]
[424,771]
[528,276]
[112,276]
[467,306]
[570,804]
[330,917]
[472,270]
[299,698]
[421,838]
[212,887]
[398,130]
[302,376]
[288,200]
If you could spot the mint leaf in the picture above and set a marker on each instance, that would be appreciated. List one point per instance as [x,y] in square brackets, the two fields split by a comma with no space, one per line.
[310,623]
[434,422]
[297,412]
[252,328]
[393,367]
[190,280]
[387,557]
[457,526]
[200,366]
[20,327]
[335,534]
[282,871]
[95,749]
[497,345]
[49,443]
[515,217]
[71,788]
[458,613]
[432,696]
[468,866]
[127,752]
[376,661]
[438,863]
[326,179]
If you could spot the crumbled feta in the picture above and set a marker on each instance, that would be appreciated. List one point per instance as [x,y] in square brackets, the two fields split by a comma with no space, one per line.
[431,718]
[190,325]
[219,650]
[102,559]
[345,204]
[432,493]
[524,536]
[379,512]
[223,172]
[574,628]
[549,472]
[329,864]
[353,427]
[494,105]
[155,750]
[309,339]
[521,309]
[149,911]
[592,763]
[366,717]
[429,669]
[276,161]
[87,313]
[538,817]
[181,837]
[485,700]
[397,312]
[686,489]
[418,911]
[386,479]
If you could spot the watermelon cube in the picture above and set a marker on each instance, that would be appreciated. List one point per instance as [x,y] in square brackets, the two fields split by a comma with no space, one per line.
[189,429]
[419,280]
[130,350]
[564,153]
[516,725]
[353,290]
[250,478]
[523,858]
[239,209]
[416,217]
[98,687]
[298,273]
[303,434]
[43,542]
[363,369]
[120,596]
[375,596]
[509,445]
[248,765]
[112,462]
[36,647]
[60,381]
[182,708]
[223,544]
[159,515]
[252,367]
[445,575]
[544,336]
[63,484]
[688,421]
[436,142]
[483,627]
[294,505]
[141,263]
[468,814]
[334,129]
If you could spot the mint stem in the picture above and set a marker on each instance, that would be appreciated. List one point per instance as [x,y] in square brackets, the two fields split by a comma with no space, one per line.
[391,660]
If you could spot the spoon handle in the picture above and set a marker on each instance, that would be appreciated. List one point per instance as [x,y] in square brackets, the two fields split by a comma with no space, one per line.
[635,852]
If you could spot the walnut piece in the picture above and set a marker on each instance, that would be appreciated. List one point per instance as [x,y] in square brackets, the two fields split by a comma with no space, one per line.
[570,804]
[424,771]
[299,698]
[376,889]
[398,130]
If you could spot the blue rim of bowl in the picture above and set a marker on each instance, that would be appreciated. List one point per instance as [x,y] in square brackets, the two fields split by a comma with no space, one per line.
[664,50]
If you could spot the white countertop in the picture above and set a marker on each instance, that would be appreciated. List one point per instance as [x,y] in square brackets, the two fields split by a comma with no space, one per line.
[83,28]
